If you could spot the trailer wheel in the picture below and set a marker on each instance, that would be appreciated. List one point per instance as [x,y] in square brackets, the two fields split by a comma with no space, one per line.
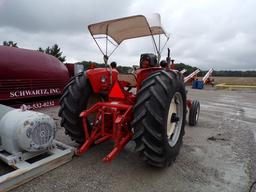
[159,118]
[194,112]
[77,96]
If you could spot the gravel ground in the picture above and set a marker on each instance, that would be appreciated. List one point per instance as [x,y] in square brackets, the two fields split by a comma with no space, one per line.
[217,155]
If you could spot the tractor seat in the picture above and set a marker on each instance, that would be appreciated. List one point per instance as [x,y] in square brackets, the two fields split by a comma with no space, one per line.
[129,78]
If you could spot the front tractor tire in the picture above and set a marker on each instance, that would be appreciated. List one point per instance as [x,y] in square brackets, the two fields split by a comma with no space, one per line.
[159,118]
[77,96]
[194,112]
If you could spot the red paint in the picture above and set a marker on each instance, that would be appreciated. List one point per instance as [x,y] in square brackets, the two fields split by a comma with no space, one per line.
[71,69]
[141,74]
[95,76]
[119,130]
[189,103]
[113,117]
[116,92]
[27,71]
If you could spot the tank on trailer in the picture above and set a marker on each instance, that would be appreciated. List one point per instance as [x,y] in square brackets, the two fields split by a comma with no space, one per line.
[31,77]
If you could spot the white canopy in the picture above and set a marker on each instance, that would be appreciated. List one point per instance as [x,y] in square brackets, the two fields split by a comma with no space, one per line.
[128,27]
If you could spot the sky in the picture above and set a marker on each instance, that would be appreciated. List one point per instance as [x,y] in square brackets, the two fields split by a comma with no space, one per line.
[203,33]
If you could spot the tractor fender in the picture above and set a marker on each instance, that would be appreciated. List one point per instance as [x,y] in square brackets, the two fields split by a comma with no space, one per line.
[143,73]
[100,78]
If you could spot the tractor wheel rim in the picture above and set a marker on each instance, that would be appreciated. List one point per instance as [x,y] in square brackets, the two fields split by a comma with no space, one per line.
[174,128]
[197,113]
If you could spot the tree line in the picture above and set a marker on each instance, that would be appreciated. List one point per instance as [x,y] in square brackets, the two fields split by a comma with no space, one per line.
[53,50]
[56,52]
[233,73]
[179,67]
[223,73]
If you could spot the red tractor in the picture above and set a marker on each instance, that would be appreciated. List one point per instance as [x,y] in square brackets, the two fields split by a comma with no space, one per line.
[148,106]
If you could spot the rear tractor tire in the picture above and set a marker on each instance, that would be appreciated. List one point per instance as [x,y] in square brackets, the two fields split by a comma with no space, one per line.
[77,96]
[194,112]
[159,118]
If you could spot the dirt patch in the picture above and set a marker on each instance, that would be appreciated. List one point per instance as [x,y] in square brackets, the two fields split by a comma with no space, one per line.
[218,137]
[235,80]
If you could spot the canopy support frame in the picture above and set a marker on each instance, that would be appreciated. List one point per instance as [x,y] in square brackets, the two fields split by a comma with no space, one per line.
[105,53]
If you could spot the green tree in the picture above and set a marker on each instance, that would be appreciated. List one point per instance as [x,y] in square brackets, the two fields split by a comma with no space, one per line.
[54,51]
[180,66]
[10,44]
